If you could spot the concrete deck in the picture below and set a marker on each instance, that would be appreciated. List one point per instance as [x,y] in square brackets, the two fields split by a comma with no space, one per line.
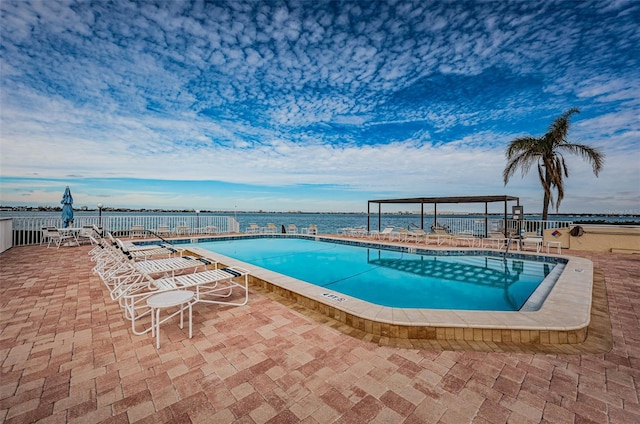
[68,355]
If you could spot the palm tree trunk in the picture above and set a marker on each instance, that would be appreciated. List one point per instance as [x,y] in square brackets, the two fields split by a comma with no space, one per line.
[547,194]
[545,207]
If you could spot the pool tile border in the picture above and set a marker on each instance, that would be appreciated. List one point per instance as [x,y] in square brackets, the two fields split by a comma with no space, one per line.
[563,317]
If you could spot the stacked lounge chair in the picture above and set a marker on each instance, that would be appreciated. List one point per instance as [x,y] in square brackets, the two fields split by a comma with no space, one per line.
[132,281]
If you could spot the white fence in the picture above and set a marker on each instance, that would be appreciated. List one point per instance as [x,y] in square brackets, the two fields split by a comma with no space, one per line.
[477,226]
[28,230]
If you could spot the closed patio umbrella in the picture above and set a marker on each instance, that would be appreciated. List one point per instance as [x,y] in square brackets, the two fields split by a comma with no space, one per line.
[67,209]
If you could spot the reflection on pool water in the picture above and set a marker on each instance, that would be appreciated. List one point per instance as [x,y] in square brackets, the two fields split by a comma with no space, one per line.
[395,278]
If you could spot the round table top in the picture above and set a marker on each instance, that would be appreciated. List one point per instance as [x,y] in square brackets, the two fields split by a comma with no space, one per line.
[170,298]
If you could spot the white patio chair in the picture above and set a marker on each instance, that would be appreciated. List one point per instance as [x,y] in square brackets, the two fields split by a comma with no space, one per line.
[183,230]
[163,230]
[58,239]
[137,231]
[85,234]
[44,236]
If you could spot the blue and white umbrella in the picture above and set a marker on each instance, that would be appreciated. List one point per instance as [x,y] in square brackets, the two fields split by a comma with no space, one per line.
[67,209]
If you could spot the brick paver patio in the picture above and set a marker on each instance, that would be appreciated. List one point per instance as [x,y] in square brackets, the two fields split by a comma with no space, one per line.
[68,355]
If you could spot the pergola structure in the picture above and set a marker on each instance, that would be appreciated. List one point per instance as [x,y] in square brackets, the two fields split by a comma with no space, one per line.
[440,200]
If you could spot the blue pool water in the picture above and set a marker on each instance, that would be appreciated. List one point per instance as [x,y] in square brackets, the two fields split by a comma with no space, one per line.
[393,278]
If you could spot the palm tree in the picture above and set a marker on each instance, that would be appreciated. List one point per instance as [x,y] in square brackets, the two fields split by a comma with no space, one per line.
[547,152]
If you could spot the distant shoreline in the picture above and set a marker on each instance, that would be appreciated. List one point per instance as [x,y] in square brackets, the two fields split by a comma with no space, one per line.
[40,209]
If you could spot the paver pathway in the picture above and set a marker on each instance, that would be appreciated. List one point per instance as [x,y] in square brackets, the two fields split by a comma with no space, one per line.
[67,355]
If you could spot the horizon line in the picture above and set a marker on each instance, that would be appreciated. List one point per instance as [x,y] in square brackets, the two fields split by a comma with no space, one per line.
[201,211]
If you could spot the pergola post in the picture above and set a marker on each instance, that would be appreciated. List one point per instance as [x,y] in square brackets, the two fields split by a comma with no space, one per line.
[486,219]
[368,216]
[435,215]
[504,226]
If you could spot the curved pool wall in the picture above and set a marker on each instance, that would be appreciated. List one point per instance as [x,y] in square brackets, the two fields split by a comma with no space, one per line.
[563,316]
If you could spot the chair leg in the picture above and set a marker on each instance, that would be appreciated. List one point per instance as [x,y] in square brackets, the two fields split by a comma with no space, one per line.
[155,319]
[190,319]
[153,322]
[157,328]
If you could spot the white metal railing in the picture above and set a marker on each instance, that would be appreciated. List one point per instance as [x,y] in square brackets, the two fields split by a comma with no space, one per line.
[28,230]
[477,226]
[514,226]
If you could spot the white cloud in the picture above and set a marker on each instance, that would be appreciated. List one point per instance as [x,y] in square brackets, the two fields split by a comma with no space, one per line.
[403,97]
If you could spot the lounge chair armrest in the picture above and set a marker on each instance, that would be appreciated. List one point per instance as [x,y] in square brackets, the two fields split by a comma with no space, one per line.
[208,261]
[236,270]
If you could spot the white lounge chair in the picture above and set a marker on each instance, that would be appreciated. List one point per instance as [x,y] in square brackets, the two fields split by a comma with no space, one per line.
[311,230]
[145,251]
[417,235]
[121,273]
[253,229]
[466,238]
[495,240]
[168,266]
[218,286]
[292,229]
[401,234]
[381,235]
[357,232]
[439,235]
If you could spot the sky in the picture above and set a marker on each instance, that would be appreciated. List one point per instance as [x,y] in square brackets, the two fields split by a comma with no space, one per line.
[312,105]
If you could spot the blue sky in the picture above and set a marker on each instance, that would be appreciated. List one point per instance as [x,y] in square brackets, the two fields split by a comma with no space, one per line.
[311,105]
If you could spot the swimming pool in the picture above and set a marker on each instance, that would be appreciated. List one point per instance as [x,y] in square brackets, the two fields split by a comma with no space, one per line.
[561,312]
[396,278]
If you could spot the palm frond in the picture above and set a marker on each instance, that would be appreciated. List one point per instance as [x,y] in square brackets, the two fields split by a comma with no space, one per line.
[559,128]
[521,153]
[547,153]
[562,164]
[521,145]
[591,155]
[523,162]
[542,175]
[560,169]
[560,196]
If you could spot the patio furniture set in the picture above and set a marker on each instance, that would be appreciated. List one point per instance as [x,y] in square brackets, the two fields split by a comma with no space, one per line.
[167,231]
[439,236]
